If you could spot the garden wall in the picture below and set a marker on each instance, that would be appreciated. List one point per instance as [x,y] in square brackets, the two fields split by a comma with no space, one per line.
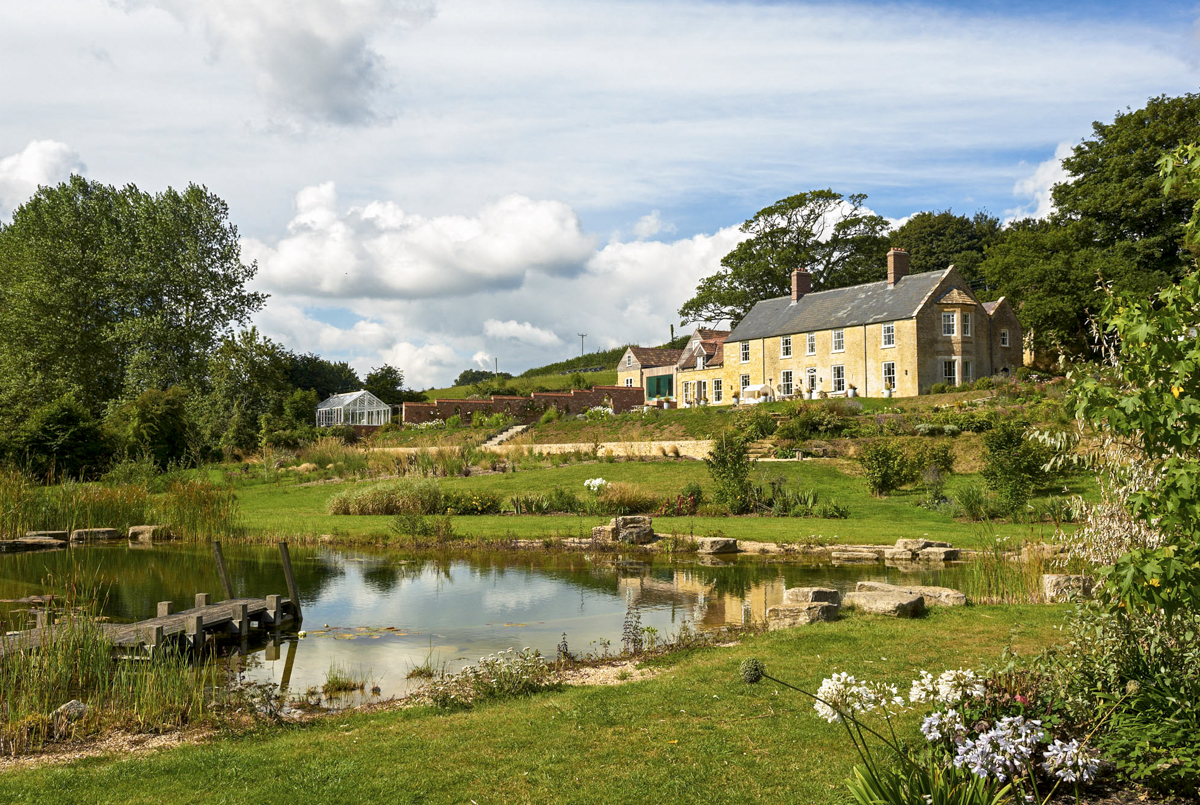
[528,409]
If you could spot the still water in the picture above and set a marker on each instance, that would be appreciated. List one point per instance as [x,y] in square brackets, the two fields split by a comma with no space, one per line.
[386,612]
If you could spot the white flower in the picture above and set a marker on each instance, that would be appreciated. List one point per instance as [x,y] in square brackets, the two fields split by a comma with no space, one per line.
[1003,752]
[922,689]
[1069,762]
[595,484]
[943,725]
[842,692]
[961,685]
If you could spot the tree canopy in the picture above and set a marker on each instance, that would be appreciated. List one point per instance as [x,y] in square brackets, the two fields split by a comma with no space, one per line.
[833,236]
[935,240]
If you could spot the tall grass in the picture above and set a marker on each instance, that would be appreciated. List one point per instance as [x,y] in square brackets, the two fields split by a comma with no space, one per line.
[200,509]
[330,452]
[404,496]
[27,506]
[76,662]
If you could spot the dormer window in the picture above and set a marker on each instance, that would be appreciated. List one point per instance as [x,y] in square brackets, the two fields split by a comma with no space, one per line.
[700,361]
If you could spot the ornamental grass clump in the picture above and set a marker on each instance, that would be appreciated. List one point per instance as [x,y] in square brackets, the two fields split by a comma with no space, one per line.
[506,674]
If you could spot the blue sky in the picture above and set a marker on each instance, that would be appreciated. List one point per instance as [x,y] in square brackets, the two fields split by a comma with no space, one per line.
[437,183]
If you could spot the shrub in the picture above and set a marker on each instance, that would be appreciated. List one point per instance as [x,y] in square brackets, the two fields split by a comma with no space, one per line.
[885,466]
[563,500]
[975,502]
[61,439]
[1012,464]
[498,676]
[831,510]
[551,414]
[529,504]
[455,421]
[418,526]
[406,496]
[729,465]
[598,413]
[471,503]
[937,455]
[624,498]
[756,423]
[694,491]
[939,388]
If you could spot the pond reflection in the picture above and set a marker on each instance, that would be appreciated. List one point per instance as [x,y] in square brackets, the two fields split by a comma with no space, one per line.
[386,613]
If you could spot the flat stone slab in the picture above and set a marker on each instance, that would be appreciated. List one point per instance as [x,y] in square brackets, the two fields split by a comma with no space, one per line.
[934,596]
[716,545]
[899,555]
[920,544]
[789,615]
[897,605]
[94,534]
[150,533]
[22,544]
[938,554]
[1058,587]
[59,535]
[812,595]
[855,557]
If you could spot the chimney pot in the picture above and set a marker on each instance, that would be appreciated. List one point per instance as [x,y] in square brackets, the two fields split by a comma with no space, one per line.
[801,284]
[897,262]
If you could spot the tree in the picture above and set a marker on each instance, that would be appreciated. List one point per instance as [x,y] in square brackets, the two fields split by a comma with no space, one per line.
[729,464]
[323,376]
[386,383]
[471,377]
[155,424]
[935,240]
[1116,196]
[105,293]
[247,379]
[832,236]
[62,439]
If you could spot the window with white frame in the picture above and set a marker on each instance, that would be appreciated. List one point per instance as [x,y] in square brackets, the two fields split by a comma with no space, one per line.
[745,380]
[950,372]
[701,391]
[716,389]
[966,324]
[948,323]
[839,378]
[811,347]
[629,360]
[785,383]
[889,335]
[812,378]
[700,361]
[968,372]
[629,381]
[687,391]
[889,375]
[745,352]
[1004,338]
[839,340]
[785,347]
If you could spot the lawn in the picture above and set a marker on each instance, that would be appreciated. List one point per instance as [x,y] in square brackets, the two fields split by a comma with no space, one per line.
[294,510]
[693,733]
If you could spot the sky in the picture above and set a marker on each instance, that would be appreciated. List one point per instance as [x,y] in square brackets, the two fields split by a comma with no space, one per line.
[446,184]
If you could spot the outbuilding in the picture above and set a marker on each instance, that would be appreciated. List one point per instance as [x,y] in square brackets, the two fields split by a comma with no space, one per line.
[353,408]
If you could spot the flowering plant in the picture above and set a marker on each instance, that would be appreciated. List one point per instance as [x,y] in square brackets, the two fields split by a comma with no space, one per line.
[594,485]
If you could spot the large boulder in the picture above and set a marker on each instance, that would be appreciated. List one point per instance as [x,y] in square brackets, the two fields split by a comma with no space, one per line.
[938,554]
[899,555]
[1058,587]
[934,596]
[150,533]
[788,615]
[897,605]
[636,530]
[94,534]
[716,545]
[811,595]
[915,545]
[854,557]
[604,533]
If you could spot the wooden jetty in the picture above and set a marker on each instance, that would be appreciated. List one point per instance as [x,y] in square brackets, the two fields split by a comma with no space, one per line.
[190,627]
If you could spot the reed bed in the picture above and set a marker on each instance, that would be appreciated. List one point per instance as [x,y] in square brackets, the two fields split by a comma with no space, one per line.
[1008,573]
[28,506]
[77,663]
[199,509]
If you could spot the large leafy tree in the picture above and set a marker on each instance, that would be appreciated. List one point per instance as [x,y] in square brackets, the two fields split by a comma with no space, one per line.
[325,377]
[935,240]
[247,379]
[107,292]
[1115,194]
[831,235]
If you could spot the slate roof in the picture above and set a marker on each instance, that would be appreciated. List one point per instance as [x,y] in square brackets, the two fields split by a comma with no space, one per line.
[869,303]
[647,356]
[955,297]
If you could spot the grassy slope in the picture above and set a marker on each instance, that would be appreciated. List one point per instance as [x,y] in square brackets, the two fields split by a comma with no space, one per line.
[297,510]
[695,733]
[525,385]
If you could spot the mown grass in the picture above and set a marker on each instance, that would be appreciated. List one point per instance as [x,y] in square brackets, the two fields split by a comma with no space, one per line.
[693,733]
[296,510]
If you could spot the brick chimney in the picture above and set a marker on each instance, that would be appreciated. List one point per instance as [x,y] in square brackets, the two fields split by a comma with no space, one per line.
[897,266]
[801,284]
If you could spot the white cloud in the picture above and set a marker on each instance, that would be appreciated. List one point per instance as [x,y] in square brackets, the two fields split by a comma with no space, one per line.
[482,360]
[380,251]
[650,225]
[42,162]
[314,59]
[1037,187]
[520,331]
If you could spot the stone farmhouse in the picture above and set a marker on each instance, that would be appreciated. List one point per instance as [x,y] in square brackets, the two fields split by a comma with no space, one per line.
[899,336]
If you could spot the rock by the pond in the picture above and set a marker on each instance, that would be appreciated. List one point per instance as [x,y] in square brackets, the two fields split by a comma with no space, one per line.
[915,545]
[61,536]
[938,554]
[934,596]
[70,712]
[1044,550]
[854,557]
[716,545]
[150,533]
[812,595]
[1063,587]
[94,534]
[604,533]
[32,544]
[897,605]
[636,529]
[899,555]
[788,615]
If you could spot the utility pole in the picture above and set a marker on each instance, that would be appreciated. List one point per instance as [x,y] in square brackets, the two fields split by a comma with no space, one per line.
[497,365]
[581,337]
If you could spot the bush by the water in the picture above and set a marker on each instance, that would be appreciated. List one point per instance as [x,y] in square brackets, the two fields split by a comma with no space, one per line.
[508,674]
[404,496]
[729,464]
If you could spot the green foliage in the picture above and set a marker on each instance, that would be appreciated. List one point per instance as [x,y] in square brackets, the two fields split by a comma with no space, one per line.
[471,377]
[61,439]
[505,675]
[923,785]
[935,240]
[551,414]
[1013,464]
[885,466]
[755,423]
[606,358]
[811,420]
[387,383]
[326,378]
[404,496]
[831,235]
[155,424]
[729,464]
[475,502]
[247,379]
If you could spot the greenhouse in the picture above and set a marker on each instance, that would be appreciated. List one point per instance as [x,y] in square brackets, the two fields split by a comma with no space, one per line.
[353,408]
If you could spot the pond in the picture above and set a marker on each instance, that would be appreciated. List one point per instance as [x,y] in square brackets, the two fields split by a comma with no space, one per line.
[384,613]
